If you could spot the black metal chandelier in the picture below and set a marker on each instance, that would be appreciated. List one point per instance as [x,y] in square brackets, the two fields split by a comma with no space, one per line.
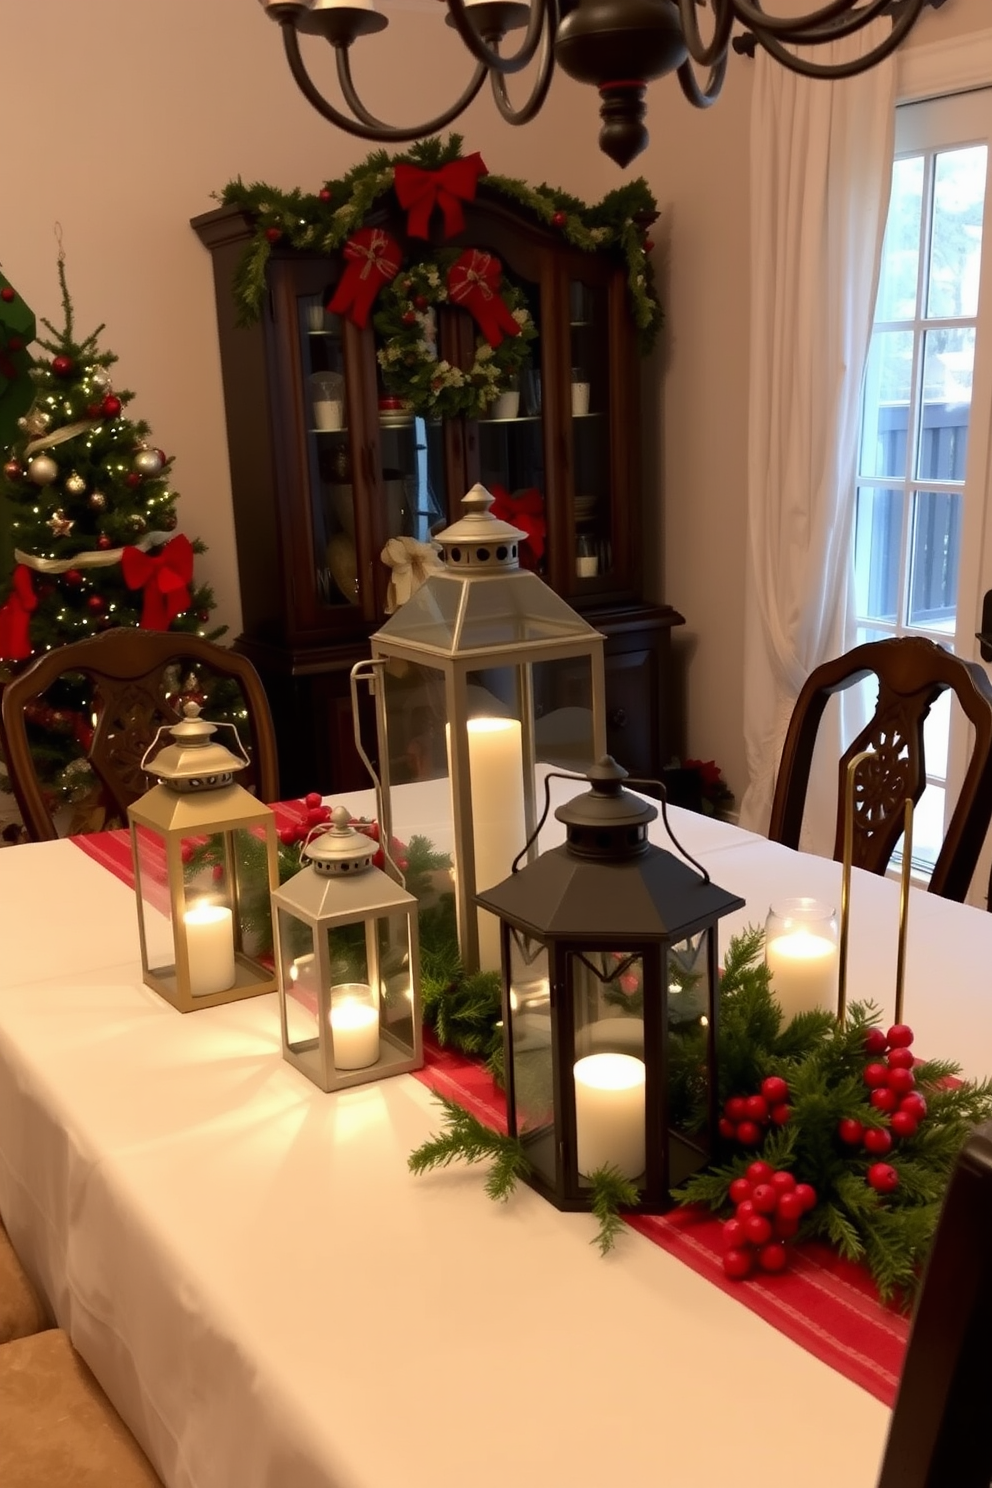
[617,45]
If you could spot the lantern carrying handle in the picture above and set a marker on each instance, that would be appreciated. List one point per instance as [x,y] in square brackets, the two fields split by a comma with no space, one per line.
[564,775]
[166,728]
[367,671]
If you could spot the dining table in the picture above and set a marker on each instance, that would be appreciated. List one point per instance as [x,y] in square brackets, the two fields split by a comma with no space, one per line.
[271,1299]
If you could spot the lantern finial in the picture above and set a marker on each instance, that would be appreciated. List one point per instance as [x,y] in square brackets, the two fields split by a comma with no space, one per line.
[478,540]
[607,822]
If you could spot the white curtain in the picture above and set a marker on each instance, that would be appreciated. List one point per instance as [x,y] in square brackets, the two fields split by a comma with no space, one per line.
[821,166]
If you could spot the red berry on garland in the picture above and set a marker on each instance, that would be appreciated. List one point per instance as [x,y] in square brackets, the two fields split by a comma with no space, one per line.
[784,1227]
[409,317]
[883,1178]
[287,836]
[312,800]
[735,1108]
[914,1104]
[737,1263]
[745,1209]
[901,1081]
[850,1131]
[421,302]
[764,1198]
[187,851]
[63,366]
[875,1041]
[758,1229]
[877,1139]
[775,1090]
[901,1059]
[772,1257]
[781,1114]
[559,219]
[6,293]
[217,872]
[904,1123]
[783,1182]
[727,1128]
[111,406]
[323,194]
[749,1133]
[733,1234]
[807,1193]
[876,1074]
[759,1172]
[96,603]
[790,1206]
[884,1099]
[739,1190]
[900,1036]
[757,1108]
[273,234]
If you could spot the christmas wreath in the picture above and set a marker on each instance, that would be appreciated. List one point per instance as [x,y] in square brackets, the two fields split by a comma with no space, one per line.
[408,355]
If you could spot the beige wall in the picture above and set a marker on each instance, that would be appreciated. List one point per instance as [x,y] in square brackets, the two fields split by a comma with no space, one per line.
[122,120]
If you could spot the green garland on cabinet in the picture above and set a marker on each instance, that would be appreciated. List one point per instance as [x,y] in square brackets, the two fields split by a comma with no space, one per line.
[320,222]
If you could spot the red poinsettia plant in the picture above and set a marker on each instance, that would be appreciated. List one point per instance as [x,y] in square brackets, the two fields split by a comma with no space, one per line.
[523,509]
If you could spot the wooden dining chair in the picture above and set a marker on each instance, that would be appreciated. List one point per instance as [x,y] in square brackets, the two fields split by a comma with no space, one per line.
[938,1433]
[131,681]
[912,673]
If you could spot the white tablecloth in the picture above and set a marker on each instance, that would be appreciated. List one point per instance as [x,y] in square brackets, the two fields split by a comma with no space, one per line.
[272,1301]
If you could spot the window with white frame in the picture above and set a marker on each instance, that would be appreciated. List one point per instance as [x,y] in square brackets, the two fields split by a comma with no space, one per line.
[917,412]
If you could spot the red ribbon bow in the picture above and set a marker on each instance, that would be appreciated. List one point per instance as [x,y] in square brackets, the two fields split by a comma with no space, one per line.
[374,258]
[524,509]
[164,578]
[419,191]
[473,282]
[15,639]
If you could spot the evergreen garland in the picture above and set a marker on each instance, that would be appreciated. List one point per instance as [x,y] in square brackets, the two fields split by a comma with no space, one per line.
[466,1138]
[320,222]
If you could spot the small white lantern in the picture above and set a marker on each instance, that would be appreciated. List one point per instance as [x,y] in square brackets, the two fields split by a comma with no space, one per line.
[347,959]
[201,933]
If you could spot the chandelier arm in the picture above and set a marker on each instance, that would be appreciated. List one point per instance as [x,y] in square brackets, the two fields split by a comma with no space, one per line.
[702,54]
[835,70]
[697,96]
[386,131]
[362,127]
[754,18]
[541,11]
[539,92]
[802,35]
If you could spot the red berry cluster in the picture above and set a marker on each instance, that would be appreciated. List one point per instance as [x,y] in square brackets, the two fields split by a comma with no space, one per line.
[746,1117]
[891,1081]
[770,1204]
[315,813]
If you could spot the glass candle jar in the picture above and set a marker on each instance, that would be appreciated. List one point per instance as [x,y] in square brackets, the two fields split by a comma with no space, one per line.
[801,952]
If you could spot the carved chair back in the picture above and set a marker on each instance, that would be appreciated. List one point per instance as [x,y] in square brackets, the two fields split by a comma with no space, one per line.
[107,696]
[912,673]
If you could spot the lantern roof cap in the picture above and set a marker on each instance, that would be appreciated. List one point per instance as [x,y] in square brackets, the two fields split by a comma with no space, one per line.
[195,759]
[607,805]
[478,528]
[339,848]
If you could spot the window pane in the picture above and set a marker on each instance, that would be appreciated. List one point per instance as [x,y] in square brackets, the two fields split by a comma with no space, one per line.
[933,583]
[901,252]
[877,544]
[956,242]
[888,380]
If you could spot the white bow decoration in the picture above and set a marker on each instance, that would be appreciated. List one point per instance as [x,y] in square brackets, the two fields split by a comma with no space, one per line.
[410,564]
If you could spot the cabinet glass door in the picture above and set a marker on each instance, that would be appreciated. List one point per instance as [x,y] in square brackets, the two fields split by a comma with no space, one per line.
[328,453]
[413,475]
[512,458]
[590,413]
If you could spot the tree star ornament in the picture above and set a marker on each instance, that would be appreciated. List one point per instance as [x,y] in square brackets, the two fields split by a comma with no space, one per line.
[60,524]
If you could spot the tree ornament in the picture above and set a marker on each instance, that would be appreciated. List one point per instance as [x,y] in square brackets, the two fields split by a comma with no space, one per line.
[137,522]
[100,378]
[75,485]
[148,462]
[60,524]
[559,219]
[324,195]
[133,480]
[94,410]
[111,406]
[96,604]
[96,500]
[63,366]
[42,469]
[883,1178]
[104,542]
[36,421]
[273,234]
[73,577]
[13,470]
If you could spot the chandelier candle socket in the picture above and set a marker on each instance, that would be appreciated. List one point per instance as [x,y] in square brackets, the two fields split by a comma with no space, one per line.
[197,947]
[802,955]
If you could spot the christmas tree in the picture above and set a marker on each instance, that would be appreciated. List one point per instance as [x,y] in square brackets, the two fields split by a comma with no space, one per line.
[92,527]
[16,390]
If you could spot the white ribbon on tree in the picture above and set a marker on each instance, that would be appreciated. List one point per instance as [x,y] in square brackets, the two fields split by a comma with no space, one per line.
[93,558]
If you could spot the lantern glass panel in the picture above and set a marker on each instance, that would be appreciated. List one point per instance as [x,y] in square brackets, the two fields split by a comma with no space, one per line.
[151,868]
[690,1013]
[243,853]
[530,1051]
[416,712]
[298,953]
[449,614]
[396,981]
[609,1069]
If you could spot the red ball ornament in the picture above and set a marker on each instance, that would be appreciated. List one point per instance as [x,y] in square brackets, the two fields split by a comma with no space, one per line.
[111,406]
[775,1090]
[884,1099]
[13,470]
[736,1108]
[94,410]
[96,603]
[748,1133]
[73,577]
[63,366]
[758,1229]
[409,317]
[904,1123]
[883,1178]
[901,1059]
[133,480]
[737,1263]
[759,1172]
[739,1190]
[876,1074]
[850,1131]
[772,1257]
[875,1041]
[273,234]
[900,1036]
[421,302]
[103,541]
[878,1140]
[323,194]
[559,219]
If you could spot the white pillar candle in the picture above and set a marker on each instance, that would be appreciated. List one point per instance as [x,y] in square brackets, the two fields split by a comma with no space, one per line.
[209,948]
[609,1113]
[496,772]
[804,971]
[354,1029]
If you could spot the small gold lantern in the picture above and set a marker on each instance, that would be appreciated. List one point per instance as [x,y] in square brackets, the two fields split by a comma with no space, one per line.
[198,929]
[347,957]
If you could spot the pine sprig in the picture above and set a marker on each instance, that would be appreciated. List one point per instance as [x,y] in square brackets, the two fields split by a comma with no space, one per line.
[466,1139]
[611,1192]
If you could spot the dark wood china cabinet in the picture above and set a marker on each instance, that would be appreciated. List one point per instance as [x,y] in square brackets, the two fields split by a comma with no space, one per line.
[325,470]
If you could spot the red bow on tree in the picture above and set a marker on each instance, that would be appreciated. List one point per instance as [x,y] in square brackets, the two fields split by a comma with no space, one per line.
[374,257]
[419,191]
[164,578]
[15,617]
[473,282]
[524,509]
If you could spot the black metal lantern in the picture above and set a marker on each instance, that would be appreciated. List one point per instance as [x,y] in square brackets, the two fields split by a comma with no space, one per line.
[609,952]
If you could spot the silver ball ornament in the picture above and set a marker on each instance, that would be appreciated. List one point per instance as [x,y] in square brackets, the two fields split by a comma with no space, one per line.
[100,378]
[42,470]
[147,462]
[75,485]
